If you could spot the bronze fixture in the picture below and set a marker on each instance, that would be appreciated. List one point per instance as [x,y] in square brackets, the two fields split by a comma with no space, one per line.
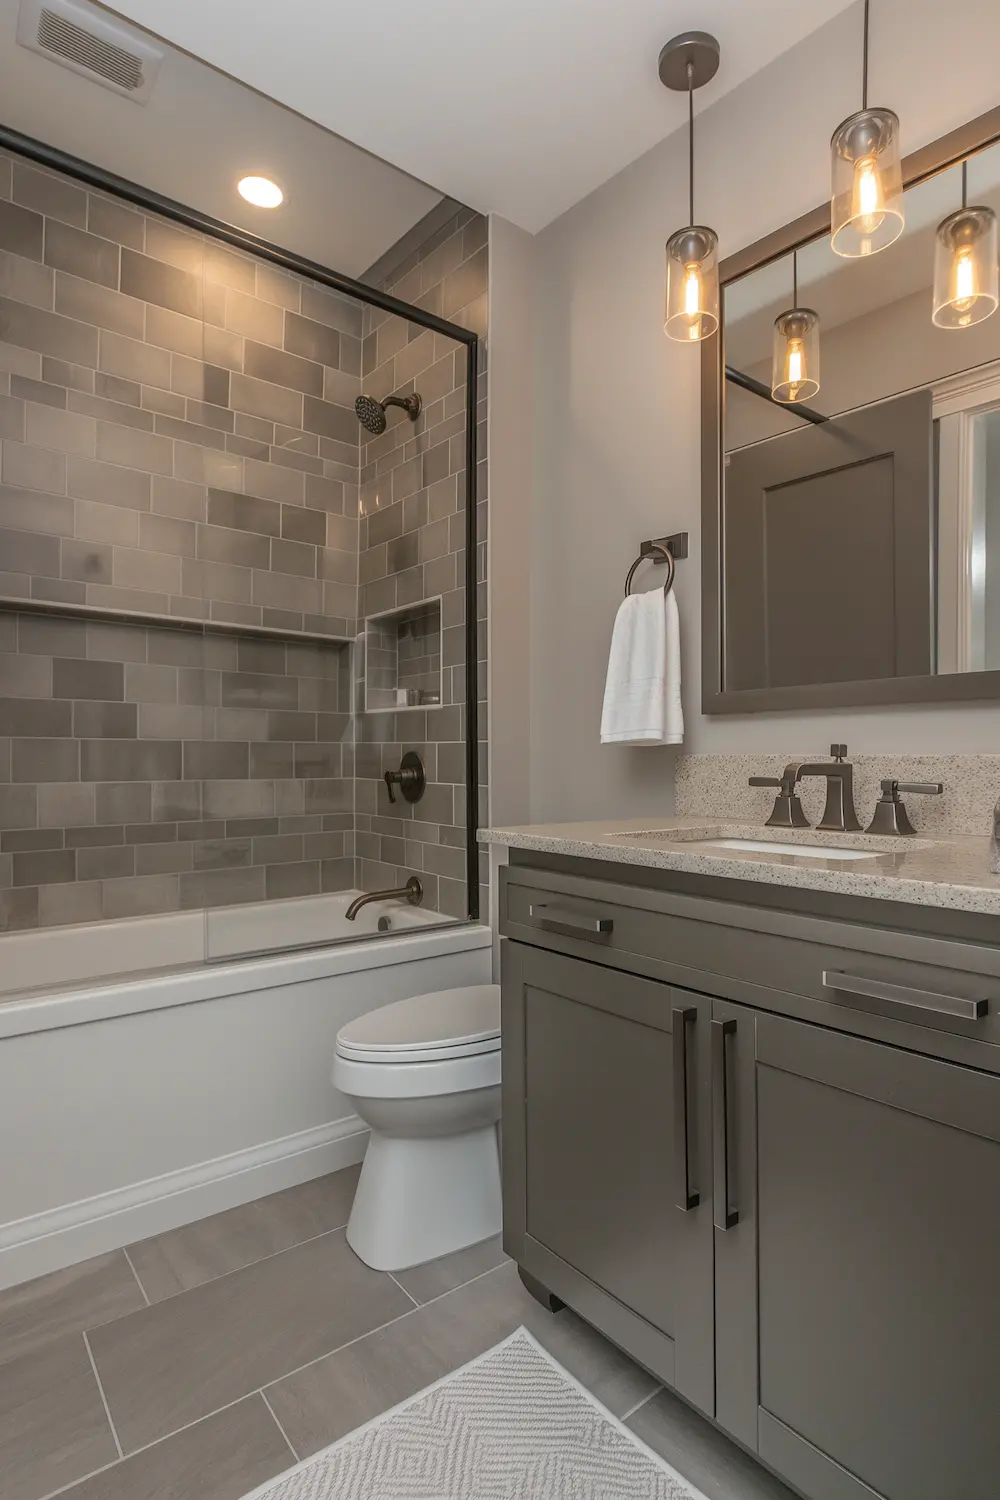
[890,810]
[788,811]
[665,549]
[371,413]
[839,815]
[410,778]
[412,891]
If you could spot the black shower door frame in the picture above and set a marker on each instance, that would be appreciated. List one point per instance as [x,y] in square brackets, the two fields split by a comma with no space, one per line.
[242,239]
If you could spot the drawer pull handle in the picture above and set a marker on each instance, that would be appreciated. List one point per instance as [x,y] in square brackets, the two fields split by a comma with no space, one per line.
[682,1018]
[577,924]
[725,1214]
[900,994]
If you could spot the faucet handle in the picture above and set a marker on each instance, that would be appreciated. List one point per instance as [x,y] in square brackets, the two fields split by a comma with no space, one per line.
[838,752]
[787,811]
[890,810]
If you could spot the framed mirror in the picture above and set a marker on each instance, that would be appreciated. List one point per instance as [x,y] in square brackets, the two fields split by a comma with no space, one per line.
[851,536]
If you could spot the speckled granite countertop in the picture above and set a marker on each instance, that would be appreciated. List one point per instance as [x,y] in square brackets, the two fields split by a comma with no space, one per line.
[945,872]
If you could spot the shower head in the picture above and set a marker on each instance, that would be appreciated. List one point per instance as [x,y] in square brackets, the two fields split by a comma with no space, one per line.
[371,413]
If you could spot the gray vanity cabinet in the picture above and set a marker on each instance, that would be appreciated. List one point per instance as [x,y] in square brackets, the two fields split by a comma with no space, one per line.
[607,1154]
[865,1245]
[760,1150]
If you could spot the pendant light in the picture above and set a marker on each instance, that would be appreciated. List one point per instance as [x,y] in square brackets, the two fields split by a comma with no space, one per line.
[795,358]
[866,195]
[692,301]
[965,264]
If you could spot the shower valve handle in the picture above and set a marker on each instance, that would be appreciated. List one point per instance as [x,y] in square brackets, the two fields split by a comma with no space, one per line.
[410,778]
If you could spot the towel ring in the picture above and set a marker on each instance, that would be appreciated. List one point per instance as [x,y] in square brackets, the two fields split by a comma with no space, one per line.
[668,558]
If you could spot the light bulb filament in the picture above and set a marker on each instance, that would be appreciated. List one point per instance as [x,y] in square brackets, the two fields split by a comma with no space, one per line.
[692,290]
[965,289]
[868,202]
[692,298]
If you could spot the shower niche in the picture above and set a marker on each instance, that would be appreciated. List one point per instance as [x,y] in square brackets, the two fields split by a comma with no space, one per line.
[402,658]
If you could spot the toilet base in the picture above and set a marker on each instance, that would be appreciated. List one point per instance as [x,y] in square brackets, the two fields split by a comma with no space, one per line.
[425,1196]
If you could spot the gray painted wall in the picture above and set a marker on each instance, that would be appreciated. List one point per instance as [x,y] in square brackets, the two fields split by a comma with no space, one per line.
[616,408]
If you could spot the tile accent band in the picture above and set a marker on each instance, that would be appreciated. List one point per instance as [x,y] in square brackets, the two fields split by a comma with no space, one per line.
[12,605]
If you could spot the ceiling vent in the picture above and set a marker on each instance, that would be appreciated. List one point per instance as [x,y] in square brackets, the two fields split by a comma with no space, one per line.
[92,43]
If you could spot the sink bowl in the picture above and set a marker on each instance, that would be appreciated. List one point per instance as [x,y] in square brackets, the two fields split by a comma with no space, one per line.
[768,846]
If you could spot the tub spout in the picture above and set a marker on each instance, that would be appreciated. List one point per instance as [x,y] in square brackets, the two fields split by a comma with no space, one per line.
[413,891]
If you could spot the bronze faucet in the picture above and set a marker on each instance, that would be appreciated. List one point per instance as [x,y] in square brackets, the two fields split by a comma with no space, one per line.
[413,891]
[839,815]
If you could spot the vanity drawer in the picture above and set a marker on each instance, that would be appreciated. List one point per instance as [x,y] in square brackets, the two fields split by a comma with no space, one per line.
[822,969]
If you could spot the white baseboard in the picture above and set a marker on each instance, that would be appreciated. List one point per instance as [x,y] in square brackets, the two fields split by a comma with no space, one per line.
[62,1236]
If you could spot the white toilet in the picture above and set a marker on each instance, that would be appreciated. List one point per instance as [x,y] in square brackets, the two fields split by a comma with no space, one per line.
[424,1074]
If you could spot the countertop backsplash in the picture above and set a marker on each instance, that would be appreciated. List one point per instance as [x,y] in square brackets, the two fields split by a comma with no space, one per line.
[716,786]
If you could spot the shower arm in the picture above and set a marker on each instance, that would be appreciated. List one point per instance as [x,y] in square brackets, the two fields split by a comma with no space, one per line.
[410,404]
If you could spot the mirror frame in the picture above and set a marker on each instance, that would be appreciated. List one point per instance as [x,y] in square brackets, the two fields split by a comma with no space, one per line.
[946,152]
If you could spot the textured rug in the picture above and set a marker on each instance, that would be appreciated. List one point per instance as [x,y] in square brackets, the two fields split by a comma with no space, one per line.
[512,1425]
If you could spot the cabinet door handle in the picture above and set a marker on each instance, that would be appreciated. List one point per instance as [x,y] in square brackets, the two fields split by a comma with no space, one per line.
[900,994]
[682,1017]
[725,1214]
[577,924]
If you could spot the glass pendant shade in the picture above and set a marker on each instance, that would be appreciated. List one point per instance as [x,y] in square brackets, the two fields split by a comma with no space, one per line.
[965,268]
[692,308]
[866,196]
[795,361]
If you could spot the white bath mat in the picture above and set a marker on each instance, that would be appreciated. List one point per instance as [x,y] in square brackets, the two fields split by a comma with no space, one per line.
[512,1425]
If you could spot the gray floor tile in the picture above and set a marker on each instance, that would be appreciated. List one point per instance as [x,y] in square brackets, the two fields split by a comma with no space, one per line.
[436,1277]
[187,1257]
[36,1313]
[53,1427]
[181,1359]
[221,1458]
[701,1453]
[319,1404]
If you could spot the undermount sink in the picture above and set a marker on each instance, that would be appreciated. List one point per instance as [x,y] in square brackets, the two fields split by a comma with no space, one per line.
[767,846]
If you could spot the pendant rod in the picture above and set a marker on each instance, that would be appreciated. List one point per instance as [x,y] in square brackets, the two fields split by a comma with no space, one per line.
[864,71]
[965,184]
[795,278]
[690,77]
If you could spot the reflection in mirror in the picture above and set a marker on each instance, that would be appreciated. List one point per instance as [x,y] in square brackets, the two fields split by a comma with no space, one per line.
[861,528]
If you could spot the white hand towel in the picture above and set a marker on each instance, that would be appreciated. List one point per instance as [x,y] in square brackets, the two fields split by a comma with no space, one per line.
[674,715]
[642,694]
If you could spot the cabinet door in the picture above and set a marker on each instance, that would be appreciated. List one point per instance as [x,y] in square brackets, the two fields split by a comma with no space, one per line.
[607,1161]
[878,1233]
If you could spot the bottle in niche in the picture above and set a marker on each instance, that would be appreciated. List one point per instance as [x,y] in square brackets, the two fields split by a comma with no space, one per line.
[995,842]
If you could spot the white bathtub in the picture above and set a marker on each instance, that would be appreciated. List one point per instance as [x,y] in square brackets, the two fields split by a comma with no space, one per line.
[48,957]
[131,1105]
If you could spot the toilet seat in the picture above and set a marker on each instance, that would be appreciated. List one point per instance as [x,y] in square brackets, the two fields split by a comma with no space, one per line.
[430,1079]
[436,1027]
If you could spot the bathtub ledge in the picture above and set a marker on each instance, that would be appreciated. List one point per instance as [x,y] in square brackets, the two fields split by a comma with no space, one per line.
[34,1011]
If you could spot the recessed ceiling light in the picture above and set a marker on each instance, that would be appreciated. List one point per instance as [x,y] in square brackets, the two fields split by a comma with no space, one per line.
[260,191]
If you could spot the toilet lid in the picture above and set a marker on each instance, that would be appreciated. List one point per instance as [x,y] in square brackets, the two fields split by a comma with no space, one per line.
[454,1022]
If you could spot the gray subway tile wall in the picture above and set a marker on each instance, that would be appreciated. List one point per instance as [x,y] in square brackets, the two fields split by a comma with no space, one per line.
[177,441]
[154,805]
[412,548]
[111,399]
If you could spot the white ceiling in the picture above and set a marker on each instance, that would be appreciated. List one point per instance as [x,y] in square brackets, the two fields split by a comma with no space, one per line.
[520,107]
[199,133]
